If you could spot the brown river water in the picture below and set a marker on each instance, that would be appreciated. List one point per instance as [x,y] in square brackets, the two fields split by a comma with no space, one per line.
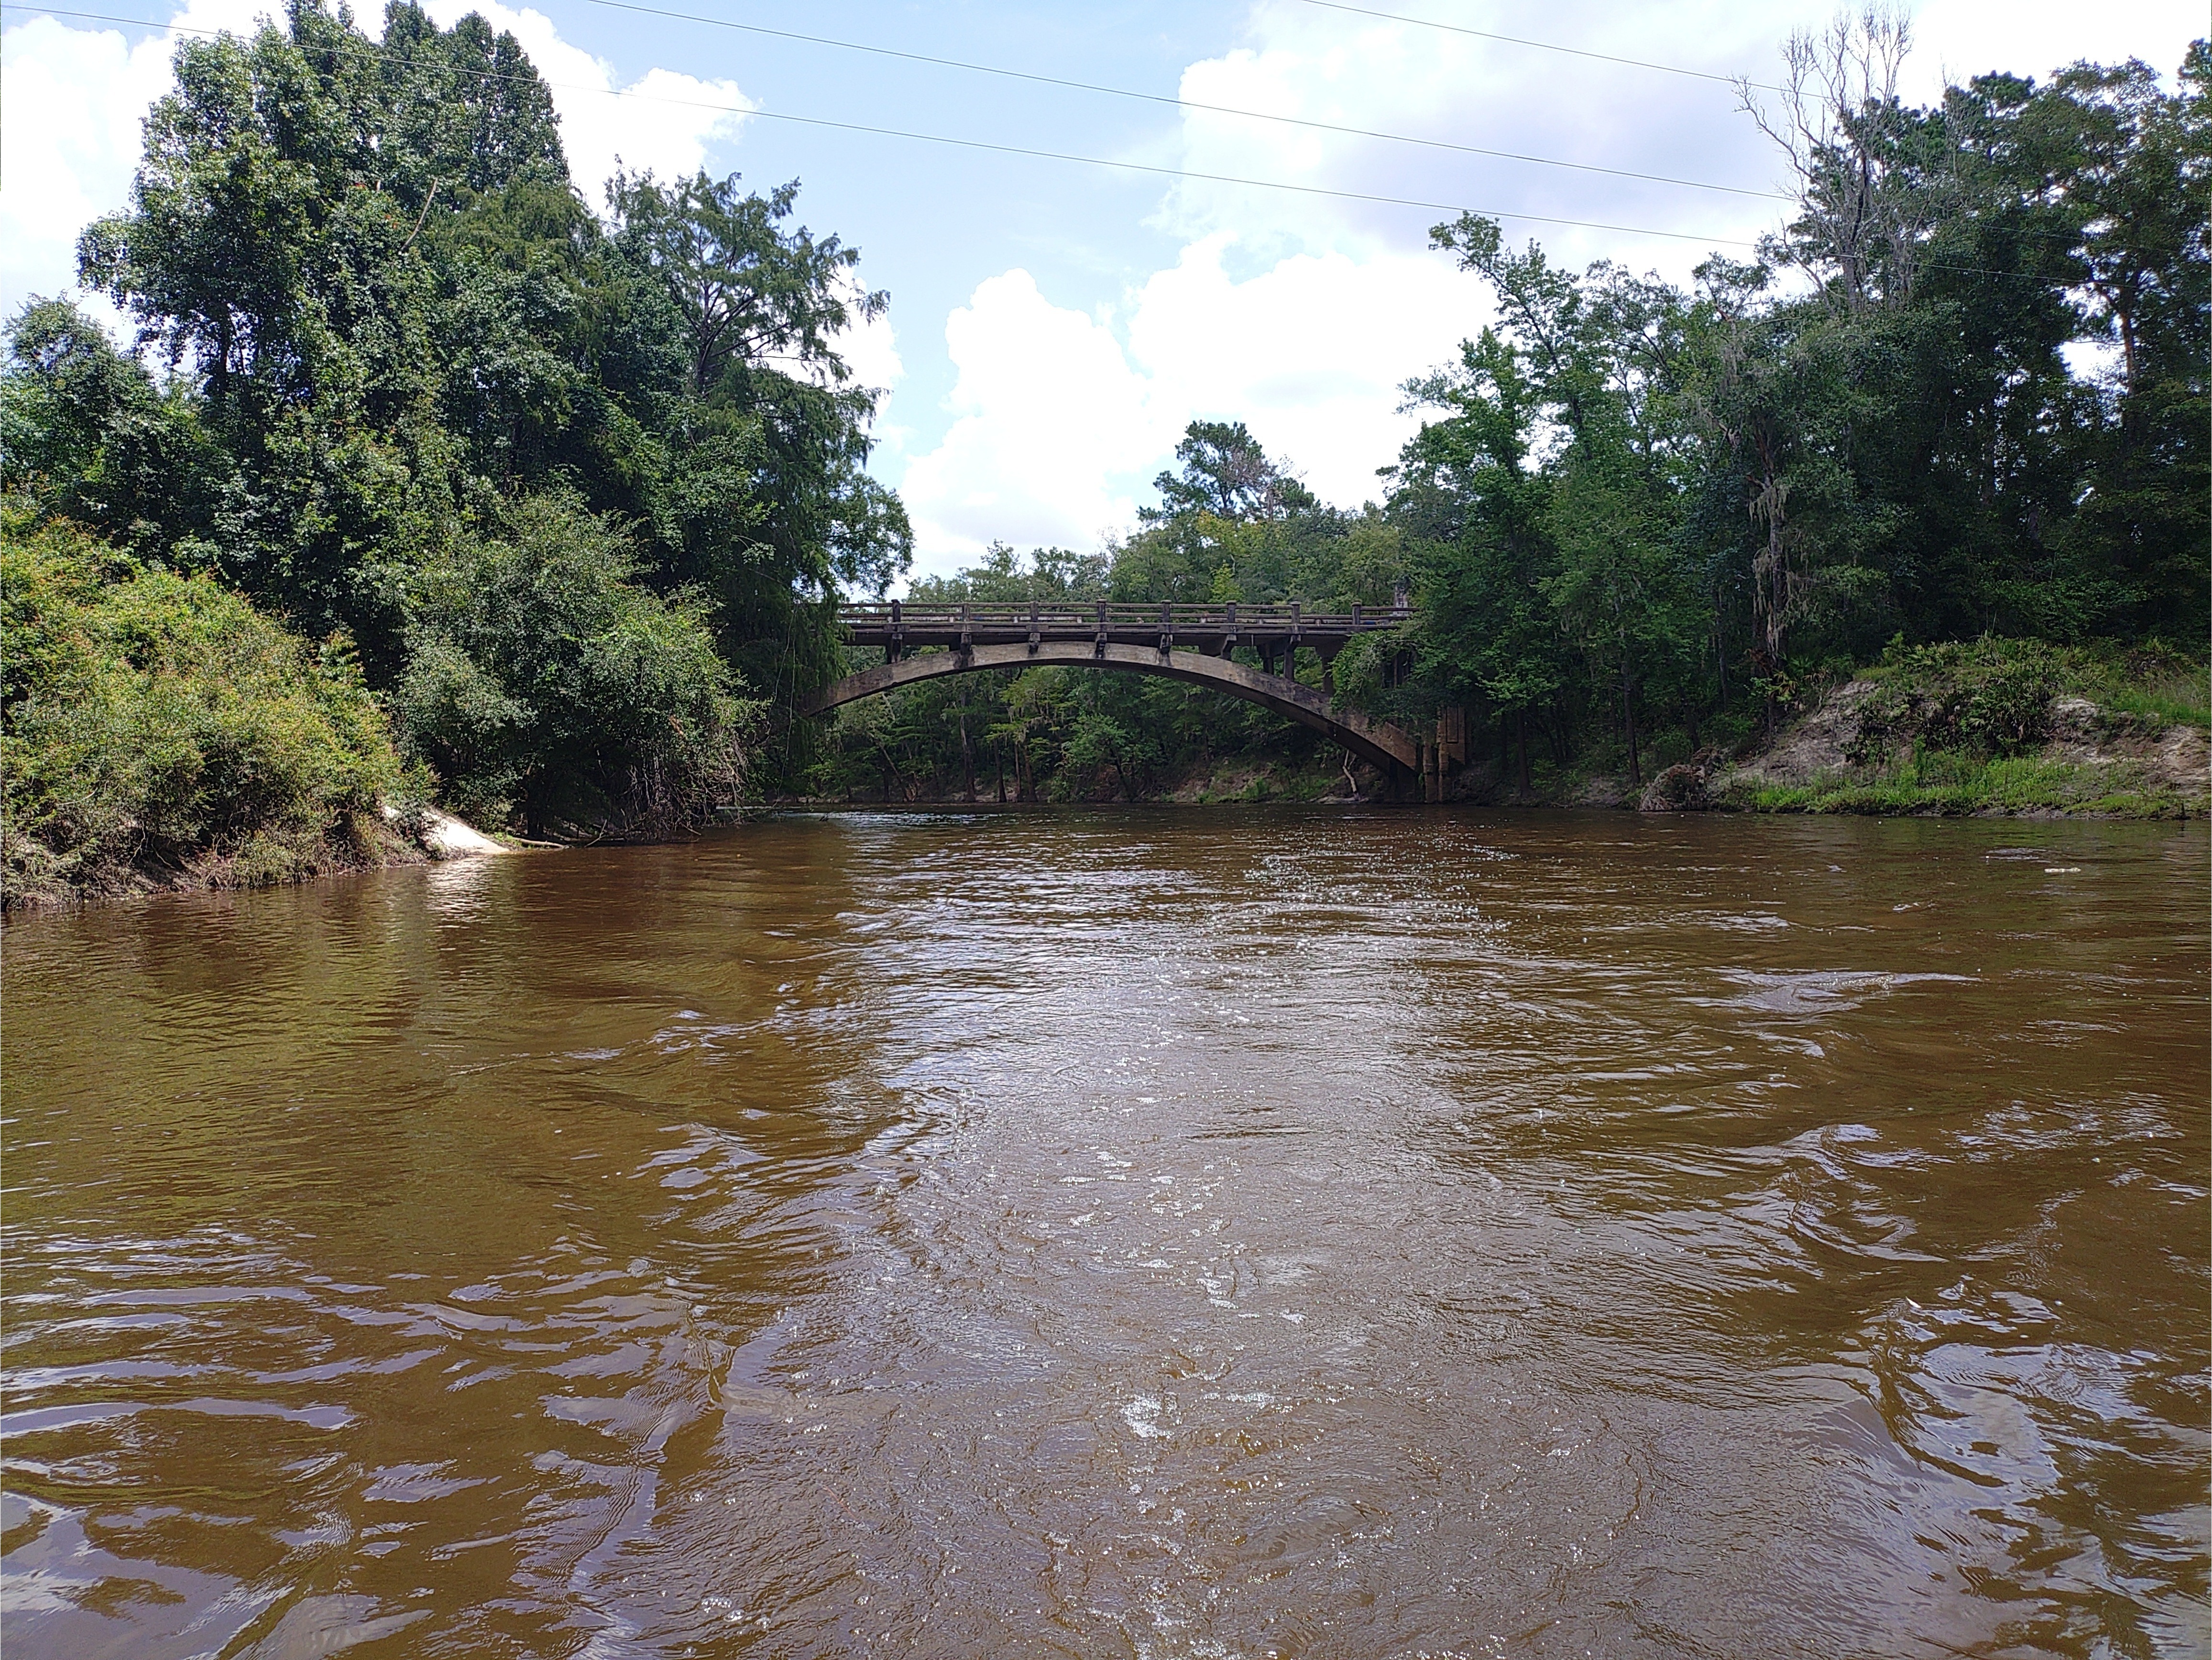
[1174,1233]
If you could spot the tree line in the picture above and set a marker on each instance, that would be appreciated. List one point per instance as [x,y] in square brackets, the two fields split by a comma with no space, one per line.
[569,495]
[575,490]
[1961,394]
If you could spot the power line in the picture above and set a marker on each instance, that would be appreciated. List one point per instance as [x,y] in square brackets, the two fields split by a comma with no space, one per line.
[1178,103]
[1546,45]
[1045,154]
[1288,120]
[1003,149]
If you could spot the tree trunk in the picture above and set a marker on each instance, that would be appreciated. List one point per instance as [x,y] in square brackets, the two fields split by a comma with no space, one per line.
[1521,719]
[967,756]
[1628,722]
[1770,569]
[2126,315]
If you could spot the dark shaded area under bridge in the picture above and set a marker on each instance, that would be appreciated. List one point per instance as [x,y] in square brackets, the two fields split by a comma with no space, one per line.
[1191,643]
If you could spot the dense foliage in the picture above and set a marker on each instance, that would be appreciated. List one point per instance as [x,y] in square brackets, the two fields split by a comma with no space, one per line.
[154,720]
[1963,394]
[566,482]
[540,672]
[577,491]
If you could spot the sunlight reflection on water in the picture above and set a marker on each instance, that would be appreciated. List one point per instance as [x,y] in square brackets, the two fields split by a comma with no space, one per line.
[1155,1233]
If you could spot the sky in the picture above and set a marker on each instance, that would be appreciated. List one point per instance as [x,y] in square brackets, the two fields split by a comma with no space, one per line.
[1054,325]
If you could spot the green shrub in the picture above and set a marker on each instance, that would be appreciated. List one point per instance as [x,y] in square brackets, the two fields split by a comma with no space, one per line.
[545,684]
[1985,697]
[152,720]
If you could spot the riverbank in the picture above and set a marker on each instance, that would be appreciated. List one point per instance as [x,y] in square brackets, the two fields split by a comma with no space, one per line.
[262,776]
[1978,729]
[2094,762]
[1985,728]
[41,880]
[159,733]
[1989,727]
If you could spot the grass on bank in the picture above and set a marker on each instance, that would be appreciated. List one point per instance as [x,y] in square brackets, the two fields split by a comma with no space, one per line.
[1945,785]
[2179,700]
[1967,727]
[156,728]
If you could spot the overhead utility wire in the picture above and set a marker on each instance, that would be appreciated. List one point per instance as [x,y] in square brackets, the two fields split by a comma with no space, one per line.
[1042,154]
[1262,115]
[1000,150]
[1601,57]
[1546,45]
[1177,103]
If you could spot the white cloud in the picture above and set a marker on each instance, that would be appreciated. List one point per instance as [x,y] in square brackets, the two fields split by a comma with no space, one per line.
[1310,354]
[1059,426]
[870,350]
[1302,314]
[1321,64]
[1050,419]
[72,100]
[1460,89]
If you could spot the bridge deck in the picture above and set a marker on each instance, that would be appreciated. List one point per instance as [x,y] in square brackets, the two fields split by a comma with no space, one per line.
[899,627]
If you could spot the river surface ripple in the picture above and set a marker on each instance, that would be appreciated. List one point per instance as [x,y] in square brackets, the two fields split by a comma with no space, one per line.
[1154,1233]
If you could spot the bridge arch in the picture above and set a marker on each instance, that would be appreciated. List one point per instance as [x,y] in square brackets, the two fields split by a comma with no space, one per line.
[1377,742]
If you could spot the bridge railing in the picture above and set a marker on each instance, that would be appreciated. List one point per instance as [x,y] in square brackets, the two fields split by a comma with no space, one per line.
[1079,616]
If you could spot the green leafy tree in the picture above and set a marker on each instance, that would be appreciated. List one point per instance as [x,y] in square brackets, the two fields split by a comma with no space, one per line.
[1469,494]
[553,687]
[85,434]
[1225,472]
[151,721]
[391,321]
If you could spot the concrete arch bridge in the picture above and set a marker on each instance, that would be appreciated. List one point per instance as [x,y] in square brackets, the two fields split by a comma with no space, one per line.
[1191,643]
